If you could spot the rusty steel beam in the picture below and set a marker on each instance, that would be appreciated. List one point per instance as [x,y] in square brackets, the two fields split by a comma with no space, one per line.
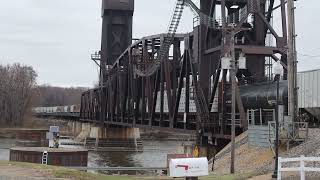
[260,50]
[180,85]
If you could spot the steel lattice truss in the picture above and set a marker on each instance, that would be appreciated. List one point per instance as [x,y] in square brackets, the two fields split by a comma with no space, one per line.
[150,86]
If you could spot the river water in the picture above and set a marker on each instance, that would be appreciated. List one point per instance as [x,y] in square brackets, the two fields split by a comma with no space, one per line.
[5,144]
[154,154]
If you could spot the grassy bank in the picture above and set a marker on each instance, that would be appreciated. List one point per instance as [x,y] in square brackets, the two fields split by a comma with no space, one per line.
[228,177]
[29,169]
[19,169]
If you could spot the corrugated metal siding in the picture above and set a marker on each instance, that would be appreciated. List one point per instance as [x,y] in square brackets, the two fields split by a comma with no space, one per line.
[309,86]
[258,136]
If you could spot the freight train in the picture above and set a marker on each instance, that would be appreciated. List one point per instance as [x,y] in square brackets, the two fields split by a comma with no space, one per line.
[57,109]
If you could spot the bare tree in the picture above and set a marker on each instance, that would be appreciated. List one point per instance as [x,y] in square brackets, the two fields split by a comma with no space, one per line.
[16,88]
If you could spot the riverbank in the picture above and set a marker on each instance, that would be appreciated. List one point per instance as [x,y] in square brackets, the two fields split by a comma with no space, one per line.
[15,170]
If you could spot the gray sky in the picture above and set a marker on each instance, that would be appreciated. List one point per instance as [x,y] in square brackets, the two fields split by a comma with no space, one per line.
[57,37]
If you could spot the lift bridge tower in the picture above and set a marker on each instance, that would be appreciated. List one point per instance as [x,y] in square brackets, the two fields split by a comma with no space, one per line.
[116,37]
[116,32]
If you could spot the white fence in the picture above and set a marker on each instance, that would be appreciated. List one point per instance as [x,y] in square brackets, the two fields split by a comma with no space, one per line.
[302,168]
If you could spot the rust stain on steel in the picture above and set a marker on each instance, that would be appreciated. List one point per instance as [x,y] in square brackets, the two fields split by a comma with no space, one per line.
[56,157]
[32,138]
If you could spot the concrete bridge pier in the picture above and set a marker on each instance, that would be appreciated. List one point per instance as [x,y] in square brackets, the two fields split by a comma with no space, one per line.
[75,127]
[85,129]
[96,136]
[115,137]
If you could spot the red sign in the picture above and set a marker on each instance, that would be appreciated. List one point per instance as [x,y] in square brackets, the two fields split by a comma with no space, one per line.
[177,156]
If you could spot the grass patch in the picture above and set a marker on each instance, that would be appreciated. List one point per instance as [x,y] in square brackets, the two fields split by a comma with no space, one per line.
[61,172]
[228,177]
[24,165]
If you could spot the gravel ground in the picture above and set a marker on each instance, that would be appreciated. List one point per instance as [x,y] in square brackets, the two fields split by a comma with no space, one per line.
[311,148]
[248,160]
[240,140]
[260,161]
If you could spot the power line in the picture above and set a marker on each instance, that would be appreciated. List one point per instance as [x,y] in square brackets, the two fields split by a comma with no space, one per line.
[308,55]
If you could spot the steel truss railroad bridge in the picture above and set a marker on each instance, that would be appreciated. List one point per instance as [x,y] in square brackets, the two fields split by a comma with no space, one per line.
[155,82]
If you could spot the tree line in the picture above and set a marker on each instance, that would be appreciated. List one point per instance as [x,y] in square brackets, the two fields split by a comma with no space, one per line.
[19,93]
[48,96]
[17,83]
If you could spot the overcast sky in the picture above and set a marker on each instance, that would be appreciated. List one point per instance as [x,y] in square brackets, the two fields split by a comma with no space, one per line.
[56,37]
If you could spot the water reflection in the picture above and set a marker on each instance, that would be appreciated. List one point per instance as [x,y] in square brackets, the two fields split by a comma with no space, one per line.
[154,154]
[5,145]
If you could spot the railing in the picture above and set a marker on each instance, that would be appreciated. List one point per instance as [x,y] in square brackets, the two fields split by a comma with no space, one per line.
[96,56]
[302,168]
[229,119]
[301,131]
[156,170]
[260,116]
[210,22]
[301,128]
[120,168]
[285,131]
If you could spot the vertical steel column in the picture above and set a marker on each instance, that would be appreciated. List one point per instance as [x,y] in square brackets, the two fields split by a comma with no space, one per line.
[187,91]
[178,97]
[155,96]
[161,95]
[204,61]
[284,21]
[233,101]
[224,74]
